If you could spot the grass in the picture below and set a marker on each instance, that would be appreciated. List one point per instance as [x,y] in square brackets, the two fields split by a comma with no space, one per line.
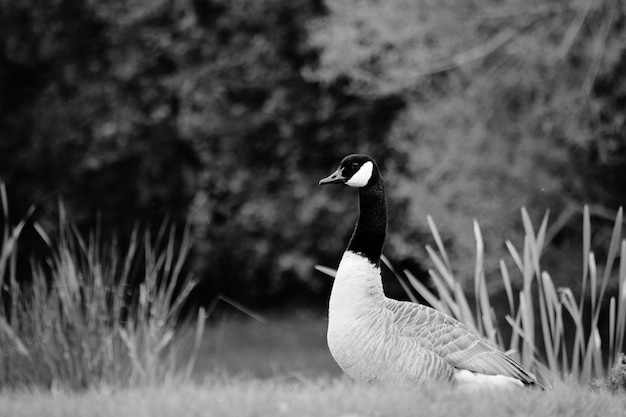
[94,311]
[314,397]
[250,368]
[540,306]
[289,346]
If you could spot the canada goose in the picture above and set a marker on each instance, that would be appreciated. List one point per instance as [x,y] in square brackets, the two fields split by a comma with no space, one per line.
[375,338]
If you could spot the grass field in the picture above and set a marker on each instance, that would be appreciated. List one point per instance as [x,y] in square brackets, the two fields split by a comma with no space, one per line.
[336,397]
[281,367]
[283,346]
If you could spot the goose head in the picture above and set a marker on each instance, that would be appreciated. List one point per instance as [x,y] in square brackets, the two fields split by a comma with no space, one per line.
[361,172]
[356,170]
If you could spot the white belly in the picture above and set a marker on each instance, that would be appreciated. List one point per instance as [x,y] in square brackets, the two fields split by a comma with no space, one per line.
[356,295]
[351,346]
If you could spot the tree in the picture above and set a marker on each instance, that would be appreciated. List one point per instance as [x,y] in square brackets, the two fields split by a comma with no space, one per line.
[138,111]
[509,104]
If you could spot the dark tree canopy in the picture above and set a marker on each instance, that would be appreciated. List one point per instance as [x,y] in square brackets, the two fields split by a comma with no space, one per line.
[225,113]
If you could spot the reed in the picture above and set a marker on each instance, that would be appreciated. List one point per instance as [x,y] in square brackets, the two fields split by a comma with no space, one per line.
[539,308]
[96,311]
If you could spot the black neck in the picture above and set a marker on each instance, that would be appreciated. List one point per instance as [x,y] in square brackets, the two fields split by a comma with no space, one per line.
[371,226]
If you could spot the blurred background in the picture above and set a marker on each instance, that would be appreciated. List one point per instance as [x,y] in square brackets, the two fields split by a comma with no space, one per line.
[226,113]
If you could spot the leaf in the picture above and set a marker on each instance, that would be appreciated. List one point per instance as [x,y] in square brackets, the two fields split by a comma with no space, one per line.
[479,274]
[444,295]
[426,294]
[586,251]
[442,250]
[441,267]
[504,272]
[19,345]
[331,272]
[515,255]
[405,287]
[531,241]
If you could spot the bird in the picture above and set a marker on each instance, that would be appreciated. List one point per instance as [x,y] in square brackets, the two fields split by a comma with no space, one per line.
[374,338]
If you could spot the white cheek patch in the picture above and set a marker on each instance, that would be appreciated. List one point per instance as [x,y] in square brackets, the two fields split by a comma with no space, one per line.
[362,176]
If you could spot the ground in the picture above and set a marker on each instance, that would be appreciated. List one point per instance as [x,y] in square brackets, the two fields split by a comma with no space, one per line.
[281,367]
[288,345]
[333,397]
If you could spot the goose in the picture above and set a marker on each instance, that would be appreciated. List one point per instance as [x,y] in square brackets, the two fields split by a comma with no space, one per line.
[374,338]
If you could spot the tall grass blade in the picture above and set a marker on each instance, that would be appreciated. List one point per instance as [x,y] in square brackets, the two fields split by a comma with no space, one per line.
[528,326]
[163,341]
[479,277]
[442,249]
[506,279]
[515,255]
[614,247]
[527,344]
[243,308]
[426,294]
[331,272]
[593,282]
[579,349]
[443,270]
[444,295]
[9,244]
[528,226]
[42,234]
[587,371]
[566,370]
[598,369]
[546,328]
[404,285]
[528,272]
[621,305]
[534,243]
[4,200]
[541,234]
[612,349]
[200,327]
[516,331]
[462,308]
[133,350]
[554,312]
[586,251]
[17,342]
[527,304]
[490,326]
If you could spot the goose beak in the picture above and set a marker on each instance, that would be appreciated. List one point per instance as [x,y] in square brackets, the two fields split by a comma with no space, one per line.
[334,178]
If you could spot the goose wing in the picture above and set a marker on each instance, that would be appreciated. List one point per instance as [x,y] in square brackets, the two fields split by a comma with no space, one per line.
[453,341]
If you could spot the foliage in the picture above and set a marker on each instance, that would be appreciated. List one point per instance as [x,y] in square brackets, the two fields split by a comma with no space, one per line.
[228,112]
[508,105]
[152,109]
[77,323]
[541,306]
[85,118]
